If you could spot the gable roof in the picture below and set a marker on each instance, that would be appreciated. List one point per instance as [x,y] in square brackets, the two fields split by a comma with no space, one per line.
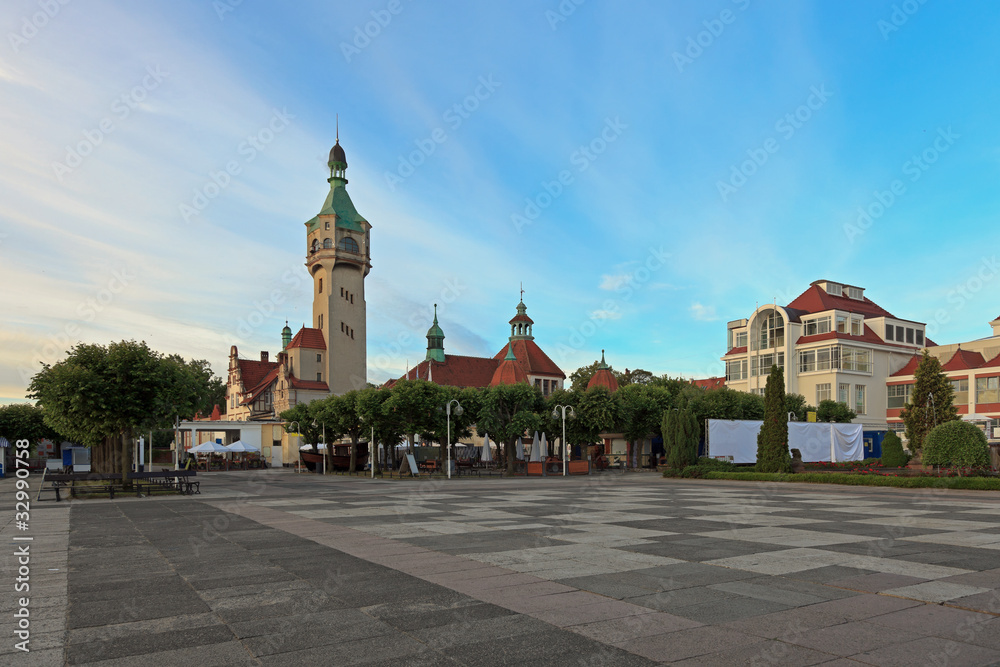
[910,368]
[456,371]
[255,391]
[963,360]
[816,300]
[531,358]
[309,339]
[252,371]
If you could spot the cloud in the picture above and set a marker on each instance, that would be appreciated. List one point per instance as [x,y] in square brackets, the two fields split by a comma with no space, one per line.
[703,313]
[606,315]
[611,283]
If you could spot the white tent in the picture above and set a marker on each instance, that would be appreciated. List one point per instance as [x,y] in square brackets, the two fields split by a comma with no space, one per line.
[240,446]
[320,447]
[487,456]
[545,446]
[209,448]
[817,441]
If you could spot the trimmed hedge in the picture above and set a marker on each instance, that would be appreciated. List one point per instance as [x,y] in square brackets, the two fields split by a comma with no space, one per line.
[972,483]
[956,443]
[893,455]
[703,467]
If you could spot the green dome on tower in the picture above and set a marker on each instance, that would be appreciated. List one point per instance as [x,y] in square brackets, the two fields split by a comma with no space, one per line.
[435,340]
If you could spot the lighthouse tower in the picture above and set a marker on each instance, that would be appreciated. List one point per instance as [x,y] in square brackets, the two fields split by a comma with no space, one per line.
[338,257]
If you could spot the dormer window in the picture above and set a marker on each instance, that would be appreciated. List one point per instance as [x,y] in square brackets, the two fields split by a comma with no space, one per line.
[856,293]
[857,326]
[834,289]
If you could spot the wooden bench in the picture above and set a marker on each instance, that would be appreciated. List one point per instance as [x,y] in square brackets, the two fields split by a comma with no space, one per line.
[109,483]
[171,479]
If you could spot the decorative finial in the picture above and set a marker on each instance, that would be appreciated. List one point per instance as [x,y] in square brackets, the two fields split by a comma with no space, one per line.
[435,313]
[338,128]
[522,291]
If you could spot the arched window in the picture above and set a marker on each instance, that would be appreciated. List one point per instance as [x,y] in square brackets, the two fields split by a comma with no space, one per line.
[772,331]
[349,244]
[315,245]
[327,243]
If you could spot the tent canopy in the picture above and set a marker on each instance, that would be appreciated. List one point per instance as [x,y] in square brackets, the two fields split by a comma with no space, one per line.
[209,448]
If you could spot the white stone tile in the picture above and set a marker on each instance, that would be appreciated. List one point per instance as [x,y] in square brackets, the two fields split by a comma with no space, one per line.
[935,591]
[789,537]
[930,523]
[960,539]
[756,519]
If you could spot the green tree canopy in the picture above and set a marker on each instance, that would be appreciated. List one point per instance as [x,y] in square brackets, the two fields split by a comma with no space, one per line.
[507,412]
[375,408]
[24,421]
[796,404]
[300,420]
[932,402]
[834,411]
[772,441]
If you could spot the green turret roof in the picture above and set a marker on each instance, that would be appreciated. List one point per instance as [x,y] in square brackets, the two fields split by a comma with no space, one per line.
[339,203]
[435,340]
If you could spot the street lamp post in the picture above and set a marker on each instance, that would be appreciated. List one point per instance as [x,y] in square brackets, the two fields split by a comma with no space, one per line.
[458,413]
[555,415]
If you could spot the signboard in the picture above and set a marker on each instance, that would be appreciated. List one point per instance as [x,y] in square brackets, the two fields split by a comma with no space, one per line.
[811,417]
[413,464]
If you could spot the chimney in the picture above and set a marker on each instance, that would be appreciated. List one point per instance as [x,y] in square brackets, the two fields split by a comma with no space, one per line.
[996,326]
[263,355]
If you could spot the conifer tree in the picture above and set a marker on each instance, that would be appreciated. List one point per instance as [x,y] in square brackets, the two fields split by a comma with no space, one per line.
[772,441]
[932,402]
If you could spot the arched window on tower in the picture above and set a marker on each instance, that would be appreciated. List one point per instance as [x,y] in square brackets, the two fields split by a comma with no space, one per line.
[315,245]
[327,243]
[349,244]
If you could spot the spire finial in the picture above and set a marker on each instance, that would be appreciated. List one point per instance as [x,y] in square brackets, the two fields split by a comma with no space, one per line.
[435,313]
[522,291]
[338,128]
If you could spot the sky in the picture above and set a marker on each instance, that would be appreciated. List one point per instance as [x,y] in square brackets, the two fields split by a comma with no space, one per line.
[647,171]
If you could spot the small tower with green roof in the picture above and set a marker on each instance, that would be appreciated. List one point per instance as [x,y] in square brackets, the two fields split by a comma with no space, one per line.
[435,340]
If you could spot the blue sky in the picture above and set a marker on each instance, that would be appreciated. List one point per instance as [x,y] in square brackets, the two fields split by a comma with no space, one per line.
[648,171]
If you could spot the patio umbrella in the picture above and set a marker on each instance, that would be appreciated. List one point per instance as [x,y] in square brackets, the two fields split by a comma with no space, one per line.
[536,449]
[240,446]
[209,448]
[545,446]
[320,447]
[520,449]
[487,454]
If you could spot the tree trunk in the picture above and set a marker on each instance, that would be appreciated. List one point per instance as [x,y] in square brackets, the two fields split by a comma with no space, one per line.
[354,453]
[126,459]
[509,448]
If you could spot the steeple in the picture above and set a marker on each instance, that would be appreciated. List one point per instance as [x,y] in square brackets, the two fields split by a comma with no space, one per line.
[338,160]
[435,340]
[520,324]
[286,336]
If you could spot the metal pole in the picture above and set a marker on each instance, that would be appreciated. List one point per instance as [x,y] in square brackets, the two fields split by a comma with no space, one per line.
[372,452]
[327,448]
[564,440]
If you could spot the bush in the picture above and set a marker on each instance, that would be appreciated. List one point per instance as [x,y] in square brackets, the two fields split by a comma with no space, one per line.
[971,483]
[893,455]
[702,468]
[956,443]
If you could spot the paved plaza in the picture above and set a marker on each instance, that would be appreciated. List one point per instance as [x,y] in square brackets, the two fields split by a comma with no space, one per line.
[276,568]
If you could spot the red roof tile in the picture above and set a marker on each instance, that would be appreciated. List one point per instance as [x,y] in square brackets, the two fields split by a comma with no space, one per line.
[531,358]
[995,361]
[604,378]
[815,300]
[308,338]
[253,371]
[509,372]
[963,360]
[296,383]
[736,350]
[710,383]
[456,371]
[910,368]
[255,391]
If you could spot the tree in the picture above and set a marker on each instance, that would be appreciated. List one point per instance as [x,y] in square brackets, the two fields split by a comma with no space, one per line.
[834,411]
[637,376]
[377,413]
[102,396]
[416,404]
[24,421]
[341,417]
[772,441]
[300,415]
[597,412]
[641,408]
[932,402]
[508,411]
[796,404]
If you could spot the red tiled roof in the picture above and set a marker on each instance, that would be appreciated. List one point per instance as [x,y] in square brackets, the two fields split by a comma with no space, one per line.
[604,378]
[456,371]
[963,360]
[995,361]
[216,415]
[710,383]
[265,382]
[509,372]
[253,371]
[910,368]
[815,300]
[736,350]
[521,318]
[308,338]
[531,358]
[296,383]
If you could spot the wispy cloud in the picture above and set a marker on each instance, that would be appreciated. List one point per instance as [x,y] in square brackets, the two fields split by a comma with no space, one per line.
[703,313]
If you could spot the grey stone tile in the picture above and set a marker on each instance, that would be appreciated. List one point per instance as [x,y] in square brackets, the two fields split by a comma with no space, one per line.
[145,643]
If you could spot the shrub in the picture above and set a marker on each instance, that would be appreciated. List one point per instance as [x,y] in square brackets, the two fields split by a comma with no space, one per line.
[893,455]
[772,440]
[956,443]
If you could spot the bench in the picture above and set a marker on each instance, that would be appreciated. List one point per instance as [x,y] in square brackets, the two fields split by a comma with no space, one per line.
[60,481]
[170,479]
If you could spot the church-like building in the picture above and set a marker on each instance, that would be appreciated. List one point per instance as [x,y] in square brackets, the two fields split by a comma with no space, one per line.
[330,356]
[520,360]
